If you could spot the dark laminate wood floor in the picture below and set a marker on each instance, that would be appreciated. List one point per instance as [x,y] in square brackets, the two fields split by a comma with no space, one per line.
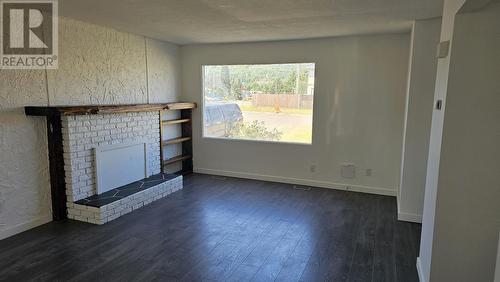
[226,230]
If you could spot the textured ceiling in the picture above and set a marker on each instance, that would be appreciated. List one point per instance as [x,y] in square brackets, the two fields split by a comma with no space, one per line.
[211,21]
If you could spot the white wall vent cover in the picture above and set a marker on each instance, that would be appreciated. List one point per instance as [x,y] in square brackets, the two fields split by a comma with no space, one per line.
[120,164]
[347,170]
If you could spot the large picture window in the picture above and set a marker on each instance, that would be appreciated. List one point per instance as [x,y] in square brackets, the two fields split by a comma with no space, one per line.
[267,102]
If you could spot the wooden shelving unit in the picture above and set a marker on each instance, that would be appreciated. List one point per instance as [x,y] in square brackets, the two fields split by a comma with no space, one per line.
[185,121]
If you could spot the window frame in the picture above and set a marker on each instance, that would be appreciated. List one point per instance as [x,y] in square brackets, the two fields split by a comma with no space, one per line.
[203,132]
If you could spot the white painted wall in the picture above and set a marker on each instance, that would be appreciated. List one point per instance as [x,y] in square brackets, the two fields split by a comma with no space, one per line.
[97,65]
[418,115]
[358,112]
[467,217]
[451,7]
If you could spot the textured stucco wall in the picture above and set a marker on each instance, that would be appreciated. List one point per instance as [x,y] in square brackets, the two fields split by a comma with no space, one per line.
[97,65]
[24,181]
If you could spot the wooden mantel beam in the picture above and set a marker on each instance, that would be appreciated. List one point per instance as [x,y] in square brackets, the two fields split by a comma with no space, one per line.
[104,109]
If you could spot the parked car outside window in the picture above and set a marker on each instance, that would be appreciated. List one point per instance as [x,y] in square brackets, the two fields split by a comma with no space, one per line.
[221,118]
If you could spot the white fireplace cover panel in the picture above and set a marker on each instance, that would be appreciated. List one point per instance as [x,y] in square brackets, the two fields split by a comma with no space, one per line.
[120,164]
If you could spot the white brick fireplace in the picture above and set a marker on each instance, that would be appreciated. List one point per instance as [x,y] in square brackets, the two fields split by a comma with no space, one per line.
[111,143]
[82,134]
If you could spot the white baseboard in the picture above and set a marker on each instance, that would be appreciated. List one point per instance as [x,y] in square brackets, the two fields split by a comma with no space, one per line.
[10,231]
[421,277]
[410,217]
[298,181]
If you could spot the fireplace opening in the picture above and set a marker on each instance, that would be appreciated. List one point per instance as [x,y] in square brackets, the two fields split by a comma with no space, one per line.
[120,164]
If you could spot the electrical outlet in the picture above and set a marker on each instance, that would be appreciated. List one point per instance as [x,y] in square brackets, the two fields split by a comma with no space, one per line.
[443,49]
[312,168]
[368,172]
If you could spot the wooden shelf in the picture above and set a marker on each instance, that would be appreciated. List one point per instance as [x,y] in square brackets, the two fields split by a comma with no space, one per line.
[176,140]
[176,159]
[180,106]
[176,121]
